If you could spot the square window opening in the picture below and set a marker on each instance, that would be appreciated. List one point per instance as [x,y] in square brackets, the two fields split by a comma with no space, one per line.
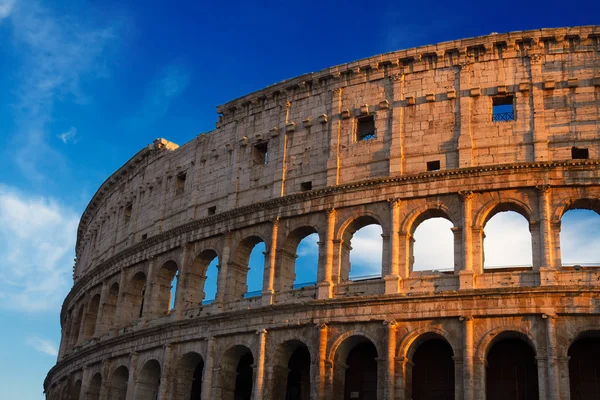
[180,183]
[365,128]
[580,153]
[144,236]
[433,165]
[212,210]
[503,109]
[306,186]
[261,153]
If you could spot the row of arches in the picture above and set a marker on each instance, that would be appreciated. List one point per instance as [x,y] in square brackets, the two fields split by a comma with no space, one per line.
[430,372]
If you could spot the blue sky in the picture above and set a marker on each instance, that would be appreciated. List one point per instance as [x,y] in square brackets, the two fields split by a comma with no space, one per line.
[86,84]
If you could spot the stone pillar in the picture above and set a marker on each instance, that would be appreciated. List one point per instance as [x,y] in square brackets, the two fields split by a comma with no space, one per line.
[333,163]
[131,382]
[149,300]
[325,286]
[539,131]
[542,370]
[464,103]
[392,280]
[184,266]
[165,373]
[100,317]
[119,307]
[552,359]
[105,380]
[390,361]
[223,270]
[545,239]
[404,250]
[259,374]
[207,374]
[269,286]
[466,274]
[397,126]
[320,377]
[468,368]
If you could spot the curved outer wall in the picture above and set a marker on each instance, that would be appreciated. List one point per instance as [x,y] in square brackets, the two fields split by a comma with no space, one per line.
[168,205]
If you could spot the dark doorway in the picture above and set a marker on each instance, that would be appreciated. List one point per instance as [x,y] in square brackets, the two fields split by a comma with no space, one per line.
[584,369]
[511,371]
[243,380]
[196,392]
[361,375]
[433,371]
[298,381]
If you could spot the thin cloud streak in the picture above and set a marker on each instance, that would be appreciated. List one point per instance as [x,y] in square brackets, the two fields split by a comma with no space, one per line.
[6,7]
[43,345]
[68,136]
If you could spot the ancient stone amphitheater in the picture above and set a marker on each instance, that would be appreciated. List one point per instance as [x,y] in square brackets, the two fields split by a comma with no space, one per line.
[461,130]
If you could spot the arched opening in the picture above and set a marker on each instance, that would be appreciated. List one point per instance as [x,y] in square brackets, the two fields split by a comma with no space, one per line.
[94,388]
[148,382]
[580,234]
[511,371]
[188,377]
[166,288]
[584,368]
[432,244]
[202,279]
[507,239]
[90,318]
[76,326]
[117,387]
[247,269]
[292,371]
[299,259]
[75,391]
[236,374]
[433,370]
[362,250]
[358,380]
[109,308]
[133,298]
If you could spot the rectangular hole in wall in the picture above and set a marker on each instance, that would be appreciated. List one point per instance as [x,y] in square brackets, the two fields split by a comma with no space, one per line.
[580,153]
[433,165]
[261,153]
[503,109]
[306,186]
[212,210]
[144,236]
[180,183]
[365,128]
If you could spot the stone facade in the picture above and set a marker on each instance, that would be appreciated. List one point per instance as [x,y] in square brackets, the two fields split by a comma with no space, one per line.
[291,160]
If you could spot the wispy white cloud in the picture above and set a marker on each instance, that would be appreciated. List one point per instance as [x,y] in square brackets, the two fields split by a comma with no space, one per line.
[68,136]
[434,245]
[365,257]
[580,237]
[6,7]
[37,237]
[507,241]
[57,54]
[43,345]
[167,85]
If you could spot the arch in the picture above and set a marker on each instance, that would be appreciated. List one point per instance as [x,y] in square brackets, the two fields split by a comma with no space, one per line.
[584,371]
[202,278]
[511,367]
[75,392]
[487,340]
[240,265]
[493,207]
[165,287]
[77,326]
[431,371]
[188,377]
[355,368]
[93,392]
[109,308]
[148,382]
[363,268]
[507,230]
[117,385]
[420,214]
[236,378]
[298,269]
[584,203]
[91,316]
[424,260]
[579,232]
[291,371]
[134,298]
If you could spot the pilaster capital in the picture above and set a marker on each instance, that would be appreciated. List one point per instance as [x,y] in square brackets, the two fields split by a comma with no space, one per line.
[466,195]
[276,221]
[322,326]
[261,332]
[542,188]
[337,91]
[394,201]
[465,318]
[390,323]
[330,212]
[396,77]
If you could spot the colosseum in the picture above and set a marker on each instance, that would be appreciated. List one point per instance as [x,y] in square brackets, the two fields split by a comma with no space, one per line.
[461,130]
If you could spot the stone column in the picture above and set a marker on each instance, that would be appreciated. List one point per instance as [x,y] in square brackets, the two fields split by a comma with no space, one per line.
[119,306]
[390,361]
[207,374]
[133,364]
[100,317]
[397,126]
[165,375]
[333,163]
[539,131]
[320,377]
[184,266]
[223,270]
[468,369]
[149,300]
[546,249]
[105,380]
[392,280]
[325,286]
[259,375]
[542,370]
[466,274]
[464,103]
[552,359]
[404,250]
[268,290]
